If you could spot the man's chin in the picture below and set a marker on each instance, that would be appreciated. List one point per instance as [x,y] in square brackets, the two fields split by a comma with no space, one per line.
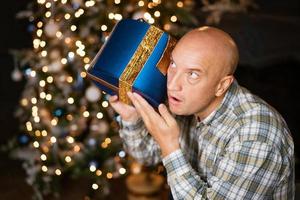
[176,111]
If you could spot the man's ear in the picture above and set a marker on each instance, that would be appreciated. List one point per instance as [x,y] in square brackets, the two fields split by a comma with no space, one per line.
[224,85]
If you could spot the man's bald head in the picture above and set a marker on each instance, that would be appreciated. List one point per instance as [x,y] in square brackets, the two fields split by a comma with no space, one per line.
[200,72]
[218,44]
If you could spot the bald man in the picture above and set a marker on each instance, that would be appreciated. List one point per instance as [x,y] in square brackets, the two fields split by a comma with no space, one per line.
[215,139]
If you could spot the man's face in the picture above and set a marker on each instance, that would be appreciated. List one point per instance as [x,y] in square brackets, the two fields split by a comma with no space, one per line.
[192,78]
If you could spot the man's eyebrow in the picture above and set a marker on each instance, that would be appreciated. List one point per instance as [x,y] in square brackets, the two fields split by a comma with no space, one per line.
[171,57]
[195,69]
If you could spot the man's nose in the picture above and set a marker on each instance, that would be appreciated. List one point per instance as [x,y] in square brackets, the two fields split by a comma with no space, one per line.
[174,83]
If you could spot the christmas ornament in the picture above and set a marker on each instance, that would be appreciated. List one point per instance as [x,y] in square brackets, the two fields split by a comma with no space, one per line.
[59,112]
[23,139]
[78,83]
[138,15]
[92,94]
[55,66]
[92,142]
[54,55]
[16,75]
[51,28]
[103,127]
[77,2]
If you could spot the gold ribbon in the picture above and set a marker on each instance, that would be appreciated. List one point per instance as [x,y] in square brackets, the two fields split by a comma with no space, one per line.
[137,62]
[164,62]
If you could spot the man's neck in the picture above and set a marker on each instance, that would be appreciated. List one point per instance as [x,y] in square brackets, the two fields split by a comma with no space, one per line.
[211,108]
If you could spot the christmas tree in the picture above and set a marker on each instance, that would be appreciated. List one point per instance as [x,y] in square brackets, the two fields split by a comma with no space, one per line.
[67,127]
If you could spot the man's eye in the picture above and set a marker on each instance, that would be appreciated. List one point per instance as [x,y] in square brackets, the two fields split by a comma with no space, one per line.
[172,64]
[193,75]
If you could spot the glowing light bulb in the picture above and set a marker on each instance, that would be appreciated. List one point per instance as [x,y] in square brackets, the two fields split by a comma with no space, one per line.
[44,168]
[44,133]
[95,186]
[141,3]
[99,115]
[24,102]
[70,139]
[58,172]
[63,61]
[33,100]
[109,175]
[180,4]
[36,144]
[111,15]
[44,53]
[39,32]
[86,114]
[83,74]
[157,13]
[45,69]
[43,157]
[98,172]
[122,170]
[173,18]
[42,83]
[118,17]
[48,97]
[73,28]
[58,34]
[103,28]
[48,5]
[70,100]
[105,104]
[92,168]
[53,139]
[39,24]
[41,1]
[49,79]
[48,14]
[86,60]
[68,159]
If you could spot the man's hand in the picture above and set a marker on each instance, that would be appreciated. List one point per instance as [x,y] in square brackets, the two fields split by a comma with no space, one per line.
[162,126]
[127,112]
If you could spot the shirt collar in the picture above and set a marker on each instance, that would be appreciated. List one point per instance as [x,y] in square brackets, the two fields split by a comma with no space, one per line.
[212,117]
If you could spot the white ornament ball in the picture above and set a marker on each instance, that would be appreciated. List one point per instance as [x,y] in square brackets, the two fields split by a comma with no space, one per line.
[51,28]
[138,15]
[103,127]
[92,94]
[84,32]
[16,75]
[55,66]
[54,54]
[77,2]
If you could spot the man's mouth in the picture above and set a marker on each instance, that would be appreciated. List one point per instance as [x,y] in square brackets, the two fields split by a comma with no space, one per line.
[174,100]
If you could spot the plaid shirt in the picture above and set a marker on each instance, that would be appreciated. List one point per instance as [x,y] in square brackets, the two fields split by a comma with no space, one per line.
[243,150]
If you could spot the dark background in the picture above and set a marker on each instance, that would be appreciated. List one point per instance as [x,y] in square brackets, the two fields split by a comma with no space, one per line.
[268,39]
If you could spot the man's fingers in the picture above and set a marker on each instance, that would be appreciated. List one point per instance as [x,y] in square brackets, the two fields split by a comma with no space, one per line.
[138,107]
[166,115]
[113,98]
[144,104]
[143,108]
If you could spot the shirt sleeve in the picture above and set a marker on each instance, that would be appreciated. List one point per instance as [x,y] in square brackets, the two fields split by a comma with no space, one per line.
[138,142]
[247,170]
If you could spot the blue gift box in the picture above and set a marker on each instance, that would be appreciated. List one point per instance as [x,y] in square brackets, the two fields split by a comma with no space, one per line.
[135,57]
